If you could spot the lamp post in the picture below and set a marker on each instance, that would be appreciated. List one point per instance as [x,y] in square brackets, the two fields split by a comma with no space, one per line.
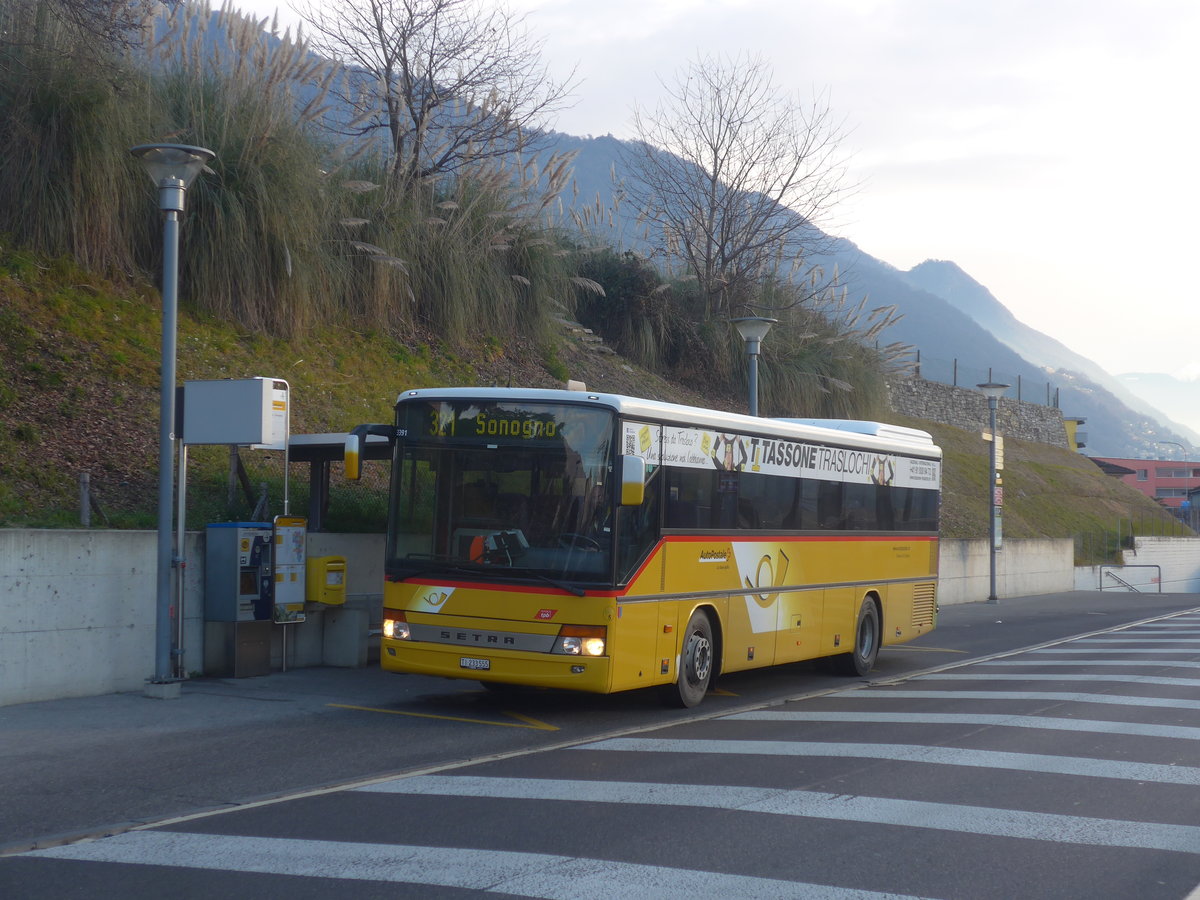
[753,329]
[172,168]
[993,390]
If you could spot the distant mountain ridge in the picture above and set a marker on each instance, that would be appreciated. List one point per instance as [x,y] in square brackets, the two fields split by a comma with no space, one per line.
[963,333]
[1177,397]
[948,280]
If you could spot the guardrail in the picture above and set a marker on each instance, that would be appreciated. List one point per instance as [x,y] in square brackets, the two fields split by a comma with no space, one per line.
[1107,571]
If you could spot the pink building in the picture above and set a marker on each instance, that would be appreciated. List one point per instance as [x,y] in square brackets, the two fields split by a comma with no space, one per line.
[1165,480]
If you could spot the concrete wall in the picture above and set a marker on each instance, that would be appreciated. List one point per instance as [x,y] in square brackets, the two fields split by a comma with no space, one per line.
[77,612]
[77,608]
[1169,565]
[1024,568]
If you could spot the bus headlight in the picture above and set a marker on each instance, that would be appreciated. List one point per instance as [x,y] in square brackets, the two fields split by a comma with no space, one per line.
[395,626]
[581,640]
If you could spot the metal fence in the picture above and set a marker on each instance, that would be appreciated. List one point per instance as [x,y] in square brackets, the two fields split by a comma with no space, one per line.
[955,372]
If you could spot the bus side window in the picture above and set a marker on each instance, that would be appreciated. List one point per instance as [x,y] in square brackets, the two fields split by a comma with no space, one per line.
[681,514]
[830,513]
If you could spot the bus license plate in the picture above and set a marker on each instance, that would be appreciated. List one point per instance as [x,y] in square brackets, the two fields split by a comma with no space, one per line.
[470,662]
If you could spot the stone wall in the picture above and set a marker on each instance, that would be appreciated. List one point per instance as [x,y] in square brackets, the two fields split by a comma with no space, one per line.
[968,408]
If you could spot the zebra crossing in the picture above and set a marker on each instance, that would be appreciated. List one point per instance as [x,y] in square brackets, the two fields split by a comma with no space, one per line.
[1071,770]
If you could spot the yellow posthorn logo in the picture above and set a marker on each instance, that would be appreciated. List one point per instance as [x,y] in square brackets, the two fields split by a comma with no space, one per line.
[769,574]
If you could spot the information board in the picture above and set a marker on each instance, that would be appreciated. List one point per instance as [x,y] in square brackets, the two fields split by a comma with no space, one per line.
[291,545]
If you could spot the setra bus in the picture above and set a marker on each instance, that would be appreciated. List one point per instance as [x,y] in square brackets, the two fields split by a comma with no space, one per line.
[598,542]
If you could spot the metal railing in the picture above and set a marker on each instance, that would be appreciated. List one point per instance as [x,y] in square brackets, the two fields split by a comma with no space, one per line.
[1107,572]
[953,372]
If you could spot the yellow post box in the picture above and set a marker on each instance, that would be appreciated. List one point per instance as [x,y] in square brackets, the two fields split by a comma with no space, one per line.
[326,580]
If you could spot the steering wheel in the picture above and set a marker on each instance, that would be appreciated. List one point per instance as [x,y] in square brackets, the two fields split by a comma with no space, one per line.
[575,541]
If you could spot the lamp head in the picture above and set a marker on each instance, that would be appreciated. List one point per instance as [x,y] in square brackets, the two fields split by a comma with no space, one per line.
[172,165]
[753,329]
[993,390]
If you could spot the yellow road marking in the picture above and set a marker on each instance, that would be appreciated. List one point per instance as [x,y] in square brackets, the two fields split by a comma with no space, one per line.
[526,721]
[925,649]
[533,723]
[721,692]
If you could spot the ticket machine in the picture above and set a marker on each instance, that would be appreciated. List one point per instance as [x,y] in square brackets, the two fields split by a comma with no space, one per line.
[238,598]
[238,578]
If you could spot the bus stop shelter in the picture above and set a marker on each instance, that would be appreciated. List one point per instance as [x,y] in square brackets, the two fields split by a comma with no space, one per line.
[320,451]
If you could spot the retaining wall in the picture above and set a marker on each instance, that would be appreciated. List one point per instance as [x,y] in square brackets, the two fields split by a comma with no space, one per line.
[968,408]
[77,608]
[1170,565]
[1024,568]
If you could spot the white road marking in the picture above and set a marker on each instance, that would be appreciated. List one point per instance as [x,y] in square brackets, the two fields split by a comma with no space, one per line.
[494,871]
[1137,640]
[1067,696]
[982,820]
[941,756]
[1158,631]
[1009,721]
[1192,650]
[1148,663]
[1122,677]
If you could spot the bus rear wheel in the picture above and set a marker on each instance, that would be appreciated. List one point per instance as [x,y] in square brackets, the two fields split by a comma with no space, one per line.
[695,663]
[861,659]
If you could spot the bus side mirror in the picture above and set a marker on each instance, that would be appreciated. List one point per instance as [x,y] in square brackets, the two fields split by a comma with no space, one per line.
[633,480]
[352,457]
[355,447]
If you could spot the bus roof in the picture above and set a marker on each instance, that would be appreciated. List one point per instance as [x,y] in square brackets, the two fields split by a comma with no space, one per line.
[843,432]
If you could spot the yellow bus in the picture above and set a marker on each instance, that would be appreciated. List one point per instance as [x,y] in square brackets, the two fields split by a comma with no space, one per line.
[597,542]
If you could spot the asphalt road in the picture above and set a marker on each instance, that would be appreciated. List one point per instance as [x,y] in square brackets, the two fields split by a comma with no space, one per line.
[95,766]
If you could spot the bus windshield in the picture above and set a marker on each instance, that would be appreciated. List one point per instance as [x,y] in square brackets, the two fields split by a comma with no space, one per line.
[502,490]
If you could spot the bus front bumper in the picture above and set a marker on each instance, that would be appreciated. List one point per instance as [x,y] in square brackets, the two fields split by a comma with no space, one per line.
[551,670]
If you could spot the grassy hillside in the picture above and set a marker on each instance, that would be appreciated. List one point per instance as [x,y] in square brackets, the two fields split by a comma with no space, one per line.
[79,370]
[1048,492]
[79,360]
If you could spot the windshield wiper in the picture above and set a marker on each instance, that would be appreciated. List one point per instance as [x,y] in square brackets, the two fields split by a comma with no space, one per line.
[433,565]
[554,582]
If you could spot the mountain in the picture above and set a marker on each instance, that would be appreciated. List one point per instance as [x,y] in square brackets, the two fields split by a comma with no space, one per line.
[960,332]
[1178,397]
[947,280]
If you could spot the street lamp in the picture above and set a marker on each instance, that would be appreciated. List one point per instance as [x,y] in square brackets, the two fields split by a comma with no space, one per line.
[172,168]
[993,390]
[753,329]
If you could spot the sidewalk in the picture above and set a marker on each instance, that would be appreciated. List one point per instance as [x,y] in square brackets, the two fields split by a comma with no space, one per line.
[72,767]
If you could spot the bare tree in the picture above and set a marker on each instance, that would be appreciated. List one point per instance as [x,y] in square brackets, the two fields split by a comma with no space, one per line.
[732,174]
[452,82]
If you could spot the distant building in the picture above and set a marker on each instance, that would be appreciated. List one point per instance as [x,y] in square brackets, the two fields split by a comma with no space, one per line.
[1166,480]
[1076,436]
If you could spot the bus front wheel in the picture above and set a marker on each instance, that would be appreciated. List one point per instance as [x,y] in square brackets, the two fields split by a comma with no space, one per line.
[861,659]
[695,663]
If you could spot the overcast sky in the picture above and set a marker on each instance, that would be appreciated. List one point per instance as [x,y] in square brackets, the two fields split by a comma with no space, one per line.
[1048,147]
